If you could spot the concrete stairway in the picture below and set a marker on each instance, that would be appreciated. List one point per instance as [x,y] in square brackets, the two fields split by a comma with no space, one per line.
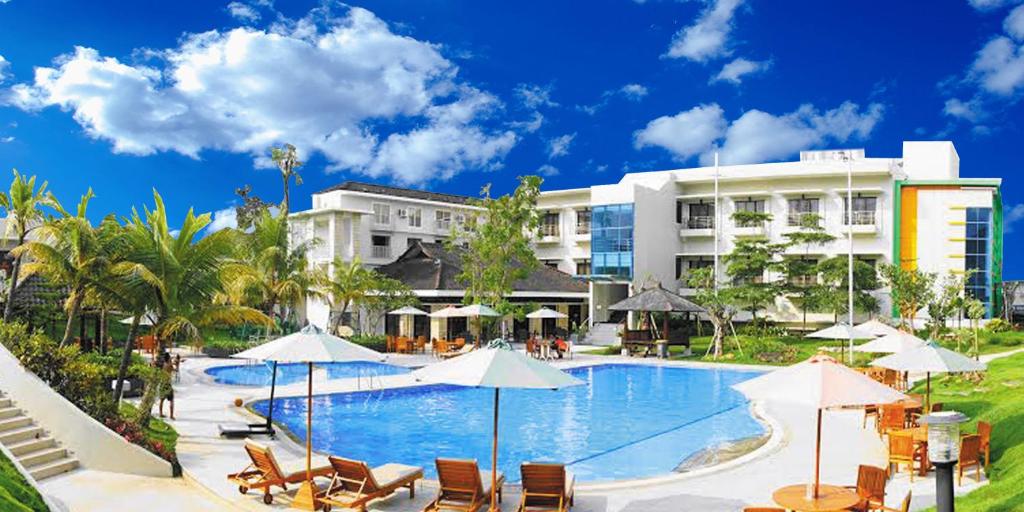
[37,452]
[603,334]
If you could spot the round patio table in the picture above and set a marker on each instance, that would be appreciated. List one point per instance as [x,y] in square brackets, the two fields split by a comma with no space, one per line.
[830,498]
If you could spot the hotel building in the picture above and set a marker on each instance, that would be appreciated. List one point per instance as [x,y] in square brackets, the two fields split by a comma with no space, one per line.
[654,227]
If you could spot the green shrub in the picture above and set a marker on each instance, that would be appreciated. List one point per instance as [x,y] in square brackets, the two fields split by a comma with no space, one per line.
[762,327]
[224,347]
[998,325]
[372,341]
[771,350]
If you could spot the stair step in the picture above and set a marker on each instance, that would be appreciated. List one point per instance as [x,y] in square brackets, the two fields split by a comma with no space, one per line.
[31,445]
[20,434]
[53,468]
[40,457]
[13,423]
[9,412]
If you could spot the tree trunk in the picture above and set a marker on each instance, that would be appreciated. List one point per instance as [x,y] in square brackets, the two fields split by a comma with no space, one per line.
[154,388]
[285,203]
[9,307]
[103,331]
[126,357]
[718,339]
[74,307]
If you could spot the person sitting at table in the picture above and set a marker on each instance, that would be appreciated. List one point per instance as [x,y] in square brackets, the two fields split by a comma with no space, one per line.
[560,346]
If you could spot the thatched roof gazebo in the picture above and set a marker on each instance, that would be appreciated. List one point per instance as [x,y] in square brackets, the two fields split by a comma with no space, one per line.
[657,300]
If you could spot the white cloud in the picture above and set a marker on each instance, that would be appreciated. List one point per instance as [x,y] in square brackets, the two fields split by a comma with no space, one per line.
[4,66]
[708,37]
[1014,23]
[685,134]
[634,92]
[535,96]
[967,110]
[999,67]
[369,100]
[243,12]
[734,71]
[547,170]
[756,136]
[223,219]
[530,126]
[1011,216]
[559,146]
[7,139]
[990,5]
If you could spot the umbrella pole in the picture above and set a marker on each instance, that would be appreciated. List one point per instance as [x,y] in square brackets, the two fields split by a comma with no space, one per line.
[270,410]
[305,498]
[817,456]
[494,455]
[928,393]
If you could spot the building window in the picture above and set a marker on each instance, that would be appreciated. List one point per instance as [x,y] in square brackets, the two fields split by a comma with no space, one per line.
[611,240]
[583,221]
[978,260]
[685,264]
[803,211]
[415,217]
[701,216]
[381,214]
[443,219]
[549,224]
[381,246]
[863,211]
[752,206]
[583,267]
[412,241]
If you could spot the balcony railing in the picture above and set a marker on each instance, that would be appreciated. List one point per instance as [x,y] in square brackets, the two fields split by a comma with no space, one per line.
[700,222]
[443,225]
[803,219]
[549,230]
[583,228]
[750,223]
[382,251]
[860,218]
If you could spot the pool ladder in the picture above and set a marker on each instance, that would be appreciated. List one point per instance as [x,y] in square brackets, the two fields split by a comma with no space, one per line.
[369,375]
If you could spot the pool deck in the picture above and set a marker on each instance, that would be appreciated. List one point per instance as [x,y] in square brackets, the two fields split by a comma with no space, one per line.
[786,458]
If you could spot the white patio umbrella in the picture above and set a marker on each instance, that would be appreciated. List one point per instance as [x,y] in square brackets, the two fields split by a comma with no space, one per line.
[310,345]
[841,331]
[448,312]
[478,311]
[891,343]
[822,383]
[877,327]
[543,313]
[147,320]
[408,311]
[930,358]
[498,367]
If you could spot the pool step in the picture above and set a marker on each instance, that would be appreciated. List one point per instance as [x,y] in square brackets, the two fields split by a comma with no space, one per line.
[34,450]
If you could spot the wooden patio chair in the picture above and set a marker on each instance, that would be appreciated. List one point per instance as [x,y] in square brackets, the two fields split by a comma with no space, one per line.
[530,344]
[892,417]
[263,472]
[903,451]
[440,347]
[463,487]
[870,487]
[354,484]
[870,411]
[389,343]
[546,488]
[891,378]
[985,433]
[937,407]
[970,456]
[421,344]
[460,342]
[904,506]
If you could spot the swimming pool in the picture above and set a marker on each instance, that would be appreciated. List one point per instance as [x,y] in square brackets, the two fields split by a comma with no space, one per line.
[628,421]
[259,374]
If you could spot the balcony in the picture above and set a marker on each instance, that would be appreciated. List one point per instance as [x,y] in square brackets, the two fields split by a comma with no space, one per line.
[582,232]
[865,222]
[750,229]
[549,233]
[698,226]
[381,251]
[443,225]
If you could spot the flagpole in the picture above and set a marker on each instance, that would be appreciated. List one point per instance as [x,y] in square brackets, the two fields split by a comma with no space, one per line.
[718,225]
[849,235]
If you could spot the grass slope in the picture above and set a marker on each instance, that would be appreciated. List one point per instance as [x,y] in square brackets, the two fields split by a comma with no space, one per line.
[16,495]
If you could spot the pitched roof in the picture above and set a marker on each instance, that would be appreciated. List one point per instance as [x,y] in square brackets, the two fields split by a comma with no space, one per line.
[430,266]
[657,299]
[373,188]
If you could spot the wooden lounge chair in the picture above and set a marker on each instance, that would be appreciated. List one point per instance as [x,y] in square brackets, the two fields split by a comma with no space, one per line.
[354,484]
[546,488]
[870,487]
[904,506]
[892,417]
[264,472]
[464,488]
[455,353]
[985,432]
[903,451]
[970,456]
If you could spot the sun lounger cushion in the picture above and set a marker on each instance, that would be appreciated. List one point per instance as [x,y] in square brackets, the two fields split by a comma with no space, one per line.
[485,478]
[392,473]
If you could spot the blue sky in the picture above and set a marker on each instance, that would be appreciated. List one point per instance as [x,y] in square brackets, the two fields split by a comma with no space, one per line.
[186,96]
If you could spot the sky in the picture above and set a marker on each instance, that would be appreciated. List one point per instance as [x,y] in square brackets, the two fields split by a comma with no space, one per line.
[186,97]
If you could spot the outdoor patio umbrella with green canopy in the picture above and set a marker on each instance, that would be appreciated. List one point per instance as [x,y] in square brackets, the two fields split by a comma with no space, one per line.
[930,358]
[891,343]
[310,345]
[479,311]
[822,383]
[543,313]
[497,366]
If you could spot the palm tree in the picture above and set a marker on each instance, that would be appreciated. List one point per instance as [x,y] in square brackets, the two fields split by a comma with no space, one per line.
[287,161]
[349,283]
[269,274]
[22,204]
[70,253]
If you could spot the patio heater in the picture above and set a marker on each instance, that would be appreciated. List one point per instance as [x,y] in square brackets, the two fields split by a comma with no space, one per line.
[944,452]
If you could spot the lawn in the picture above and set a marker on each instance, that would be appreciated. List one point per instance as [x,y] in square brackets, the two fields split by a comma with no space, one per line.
[16,495]
[998,399]
[158,430]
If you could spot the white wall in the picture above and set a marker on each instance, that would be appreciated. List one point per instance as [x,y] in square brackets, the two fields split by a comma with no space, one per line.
[93,444]
[930,160]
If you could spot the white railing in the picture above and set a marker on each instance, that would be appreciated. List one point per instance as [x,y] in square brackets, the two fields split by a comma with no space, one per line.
[382,251]
[803,219]
[700,222]
[583,228]
[548,230]
[860,218]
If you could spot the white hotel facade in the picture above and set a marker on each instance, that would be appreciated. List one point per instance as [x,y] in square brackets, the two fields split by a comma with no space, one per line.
[655,226]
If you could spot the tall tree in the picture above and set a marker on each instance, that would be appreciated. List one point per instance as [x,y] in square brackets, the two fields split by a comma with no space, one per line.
[287,160]
[1009,289]
[750,265]
[498,242]
[946,303]
[801,272]
[73,254]
[910,290]
[23,203]
[346,284]
[716,302]
[975,311]
[388,294]
[251,208]
[832,292]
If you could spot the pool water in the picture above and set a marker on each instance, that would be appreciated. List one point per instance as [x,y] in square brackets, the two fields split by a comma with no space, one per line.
[259,374]
[628,421]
